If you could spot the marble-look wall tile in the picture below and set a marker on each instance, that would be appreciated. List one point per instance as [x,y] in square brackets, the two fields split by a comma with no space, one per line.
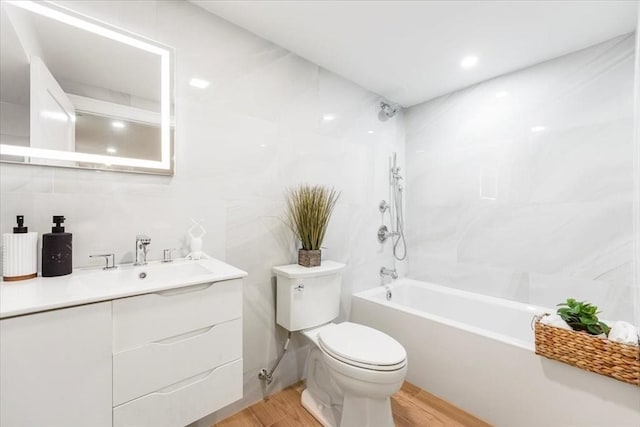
[20,179]
[258,129]
[521,186]
[636,178]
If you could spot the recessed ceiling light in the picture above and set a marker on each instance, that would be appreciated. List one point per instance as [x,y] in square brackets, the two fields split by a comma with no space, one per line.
[112,150]
[117,124]
[369,131]
[502,94]
[538,129]
[199,83]
[419,151]
[469,61]
[263,145]
[328,117]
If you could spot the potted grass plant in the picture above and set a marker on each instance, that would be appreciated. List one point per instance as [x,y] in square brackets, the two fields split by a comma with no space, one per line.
[309,209]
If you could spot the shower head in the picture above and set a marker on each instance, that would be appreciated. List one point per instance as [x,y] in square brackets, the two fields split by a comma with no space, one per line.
[388,110]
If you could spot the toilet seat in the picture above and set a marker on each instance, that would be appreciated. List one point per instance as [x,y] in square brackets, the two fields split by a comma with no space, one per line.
[362,346]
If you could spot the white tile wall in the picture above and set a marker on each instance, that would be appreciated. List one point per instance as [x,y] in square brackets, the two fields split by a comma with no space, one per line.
[491,206]
[257,130]
[636,173]
[529,196]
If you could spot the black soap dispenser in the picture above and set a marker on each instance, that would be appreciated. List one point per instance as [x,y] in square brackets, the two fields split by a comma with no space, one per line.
[56,250]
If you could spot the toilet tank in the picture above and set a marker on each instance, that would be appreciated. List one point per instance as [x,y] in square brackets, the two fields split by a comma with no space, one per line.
[307,296]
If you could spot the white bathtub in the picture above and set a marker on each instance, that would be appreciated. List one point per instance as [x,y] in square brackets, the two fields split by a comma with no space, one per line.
[477,352]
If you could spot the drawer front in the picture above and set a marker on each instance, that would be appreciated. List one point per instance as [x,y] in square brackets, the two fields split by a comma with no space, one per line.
[185,402]
[148,318]
[159,364]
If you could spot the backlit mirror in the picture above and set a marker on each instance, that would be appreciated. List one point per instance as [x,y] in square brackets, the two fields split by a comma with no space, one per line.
[76,92]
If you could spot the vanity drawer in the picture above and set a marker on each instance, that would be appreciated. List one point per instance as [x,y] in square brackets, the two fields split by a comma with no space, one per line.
[185,402]
[153,317]
[155,365]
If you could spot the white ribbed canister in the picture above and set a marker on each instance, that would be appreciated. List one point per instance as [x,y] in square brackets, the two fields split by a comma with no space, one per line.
[19,256]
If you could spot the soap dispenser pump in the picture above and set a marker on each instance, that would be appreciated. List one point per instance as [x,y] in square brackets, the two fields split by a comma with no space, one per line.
[19,253]
[57,250]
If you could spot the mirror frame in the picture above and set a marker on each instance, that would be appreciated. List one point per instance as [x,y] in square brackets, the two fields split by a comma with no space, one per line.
[163,167]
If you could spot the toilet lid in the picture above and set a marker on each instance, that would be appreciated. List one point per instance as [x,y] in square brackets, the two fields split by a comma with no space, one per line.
[362,346]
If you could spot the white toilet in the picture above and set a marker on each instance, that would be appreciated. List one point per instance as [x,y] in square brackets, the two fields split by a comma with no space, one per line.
[352,370]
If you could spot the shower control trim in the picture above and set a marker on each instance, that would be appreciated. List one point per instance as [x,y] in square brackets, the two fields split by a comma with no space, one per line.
[383,206]
[384,234]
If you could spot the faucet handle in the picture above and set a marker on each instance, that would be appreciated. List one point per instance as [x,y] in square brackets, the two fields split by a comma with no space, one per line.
[166,254]
[106,257]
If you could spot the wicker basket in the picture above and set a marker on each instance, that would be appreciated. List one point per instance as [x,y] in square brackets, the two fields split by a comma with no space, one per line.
[579,349]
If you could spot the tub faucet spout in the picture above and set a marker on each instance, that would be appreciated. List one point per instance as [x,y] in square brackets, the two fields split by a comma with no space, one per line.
[391,272]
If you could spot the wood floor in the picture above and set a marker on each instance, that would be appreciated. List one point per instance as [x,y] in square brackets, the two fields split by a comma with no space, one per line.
[411,406]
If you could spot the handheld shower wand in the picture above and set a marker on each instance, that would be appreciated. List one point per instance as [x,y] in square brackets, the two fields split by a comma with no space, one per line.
[396,213]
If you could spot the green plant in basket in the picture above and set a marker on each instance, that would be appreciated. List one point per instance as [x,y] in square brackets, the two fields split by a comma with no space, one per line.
[582,316]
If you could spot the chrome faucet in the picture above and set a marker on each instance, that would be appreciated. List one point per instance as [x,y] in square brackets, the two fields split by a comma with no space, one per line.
[142,242]
[391,272]
[108,257]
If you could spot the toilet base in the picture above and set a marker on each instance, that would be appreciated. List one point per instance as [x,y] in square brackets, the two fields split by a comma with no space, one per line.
[320,412]
[359,412]
[363,411]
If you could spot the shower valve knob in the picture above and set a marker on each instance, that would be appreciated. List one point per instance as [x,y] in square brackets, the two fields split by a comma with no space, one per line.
[384,233]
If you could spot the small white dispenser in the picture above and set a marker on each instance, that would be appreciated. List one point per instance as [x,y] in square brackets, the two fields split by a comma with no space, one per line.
[307,296]
[19,253]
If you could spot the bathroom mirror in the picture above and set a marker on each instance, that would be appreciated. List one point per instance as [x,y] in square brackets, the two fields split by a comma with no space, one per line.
[76,92]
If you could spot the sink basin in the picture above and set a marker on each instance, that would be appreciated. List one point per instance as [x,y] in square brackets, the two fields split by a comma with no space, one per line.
[171,271]
[179,272]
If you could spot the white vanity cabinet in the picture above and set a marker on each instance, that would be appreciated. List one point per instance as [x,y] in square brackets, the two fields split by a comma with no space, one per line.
[162,358]
[177,354]
[55,368]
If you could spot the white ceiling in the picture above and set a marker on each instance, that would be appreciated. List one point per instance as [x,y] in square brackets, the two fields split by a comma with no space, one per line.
[79,56]
[14,64]
[74,56]
[410,51]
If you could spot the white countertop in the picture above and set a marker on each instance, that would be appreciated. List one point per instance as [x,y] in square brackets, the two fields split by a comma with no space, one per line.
[92,285]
